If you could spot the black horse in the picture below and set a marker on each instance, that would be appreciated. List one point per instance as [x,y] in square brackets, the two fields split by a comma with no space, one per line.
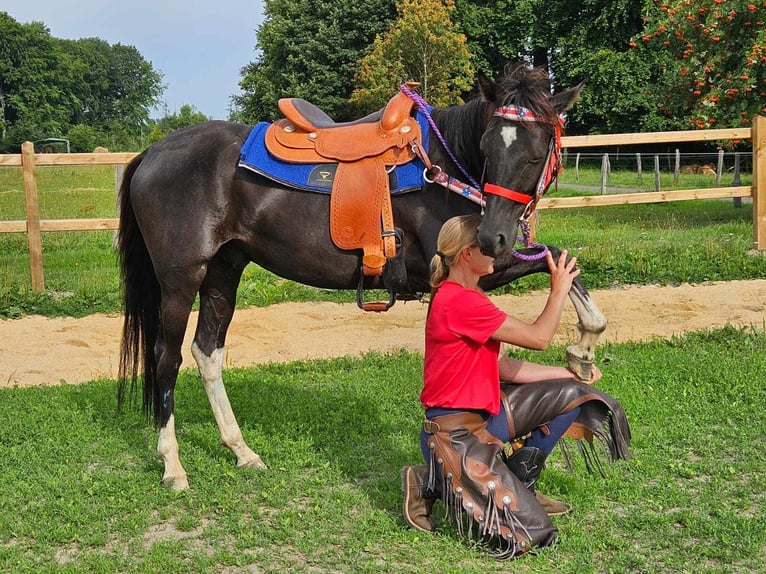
[191,219]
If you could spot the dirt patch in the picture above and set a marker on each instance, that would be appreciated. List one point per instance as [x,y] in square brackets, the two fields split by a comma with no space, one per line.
[41,351]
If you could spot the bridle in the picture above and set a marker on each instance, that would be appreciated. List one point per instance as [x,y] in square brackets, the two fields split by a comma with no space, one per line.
[474,191]
[551,168]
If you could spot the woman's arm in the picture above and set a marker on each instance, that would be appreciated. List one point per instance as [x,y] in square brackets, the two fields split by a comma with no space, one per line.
[522,372]
[538,335]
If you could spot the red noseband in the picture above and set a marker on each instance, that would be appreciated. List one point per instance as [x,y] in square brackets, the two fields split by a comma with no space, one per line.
[507,193]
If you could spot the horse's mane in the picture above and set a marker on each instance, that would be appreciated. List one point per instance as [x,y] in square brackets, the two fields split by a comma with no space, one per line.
[527,88]
[463,126]
[521,86]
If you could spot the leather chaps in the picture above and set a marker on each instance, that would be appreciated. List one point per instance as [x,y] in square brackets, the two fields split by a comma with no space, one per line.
[485,500]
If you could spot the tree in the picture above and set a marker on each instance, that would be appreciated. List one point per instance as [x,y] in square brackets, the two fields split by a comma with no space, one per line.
[31,70]
[187,116]
[576,41]
[309,49]
[422,45]
[49,85]
[710,60]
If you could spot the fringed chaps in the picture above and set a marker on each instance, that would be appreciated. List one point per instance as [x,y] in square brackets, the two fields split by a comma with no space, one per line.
[601,416]
[485,500]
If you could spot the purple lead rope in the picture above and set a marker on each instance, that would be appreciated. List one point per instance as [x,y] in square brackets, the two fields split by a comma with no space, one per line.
[423,106]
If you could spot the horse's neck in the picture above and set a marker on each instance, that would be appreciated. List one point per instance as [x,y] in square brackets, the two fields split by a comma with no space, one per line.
[462,128]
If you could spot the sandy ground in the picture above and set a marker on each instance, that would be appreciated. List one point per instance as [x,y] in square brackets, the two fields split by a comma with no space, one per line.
[42,351]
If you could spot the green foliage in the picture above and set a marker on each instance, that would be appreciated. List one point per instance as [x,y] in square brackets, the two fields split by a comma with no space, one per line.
[309,49]
[422,45]
[85,138]
[186,117]
[49,86]
[711,57]
[80,485]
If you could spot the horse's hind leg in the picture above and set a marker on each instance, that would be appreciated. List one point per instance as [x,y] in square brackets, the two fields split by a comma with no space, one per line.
[167,349]
[217,302]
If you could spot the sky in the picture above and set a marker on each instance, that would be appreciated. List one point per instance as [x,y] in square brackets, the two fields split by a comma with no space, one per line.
[199,47]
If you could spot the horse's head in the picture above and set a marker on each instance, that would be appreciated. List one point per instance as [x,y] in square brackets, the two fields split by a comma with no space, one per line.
[521,145]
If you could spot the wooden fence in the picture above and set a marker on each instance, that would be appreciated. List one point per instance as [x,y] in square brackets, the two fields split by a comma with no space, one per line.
[33,226]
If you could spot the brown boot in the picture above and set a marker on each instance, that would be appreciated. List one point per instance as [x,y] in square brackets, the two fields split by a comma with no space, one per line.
[552,507]
[416,510]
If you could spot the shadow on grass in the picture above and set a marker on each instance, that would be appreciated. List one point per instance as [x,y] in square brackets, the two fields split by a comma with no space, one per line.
[359,417]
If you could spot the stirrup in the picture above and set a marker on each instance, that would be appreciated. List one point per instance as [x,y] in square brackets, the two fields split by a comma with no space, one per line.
[376,306]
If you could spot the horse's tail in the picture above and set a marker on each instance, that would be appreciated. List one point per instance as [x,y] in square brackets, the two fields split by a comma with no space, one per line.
[141,304]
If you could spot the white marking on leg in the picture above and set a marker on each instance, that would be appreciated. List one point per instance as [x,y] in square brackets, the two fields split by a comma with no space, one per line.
[211,370]
[167,447]
[591,324]
[508,134]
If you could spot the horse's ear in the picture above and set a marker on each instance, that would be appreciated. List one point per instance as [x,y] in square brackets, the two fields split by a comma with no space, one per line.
[566,99]
[487,87]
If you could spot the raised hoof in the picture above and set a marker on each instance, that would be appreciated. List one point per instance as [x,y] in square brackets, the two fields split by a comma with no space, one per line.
[582,368]
[254,463]
[175,483]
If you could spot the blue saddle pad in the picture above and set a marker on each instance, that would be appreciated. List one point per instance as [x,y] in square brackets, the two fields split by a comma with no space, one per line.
[319,177]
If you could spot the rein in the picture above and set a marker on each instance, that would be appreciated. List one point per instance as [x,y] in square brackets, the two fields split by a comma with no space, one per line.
[473,192]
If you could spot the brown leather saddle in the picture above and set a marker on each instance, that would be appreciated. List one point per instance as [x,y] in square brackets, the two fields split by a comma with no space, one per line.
[364,150]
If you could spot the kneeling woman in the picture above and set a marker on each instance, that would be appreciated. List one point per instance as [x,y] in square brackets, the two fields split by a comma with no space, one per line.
[467,421]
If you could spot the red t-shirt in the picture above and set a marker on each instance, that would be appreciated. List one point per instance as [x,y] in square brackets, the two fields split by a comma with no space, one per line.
[460,369]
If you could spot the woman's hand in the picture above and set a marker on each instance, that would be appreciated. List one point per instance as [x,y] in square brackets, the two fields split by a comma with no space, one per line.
[595,375]
[563,272]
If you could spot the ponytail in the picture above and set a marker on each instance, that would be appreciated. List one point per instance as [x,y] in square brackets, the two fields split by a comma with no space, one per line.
[456,233]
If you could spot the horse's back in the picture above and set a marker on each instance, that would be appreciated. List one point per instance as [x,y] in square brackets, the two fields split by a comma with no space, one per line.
[196,149]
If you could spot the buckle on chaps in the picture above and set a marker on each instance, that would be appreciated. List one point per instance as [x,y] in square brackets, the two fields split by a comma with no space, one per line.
[430,426]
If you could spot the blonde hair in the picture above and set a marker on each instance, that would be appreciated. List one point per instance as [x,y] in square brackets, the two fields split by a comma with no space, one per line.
[456,233]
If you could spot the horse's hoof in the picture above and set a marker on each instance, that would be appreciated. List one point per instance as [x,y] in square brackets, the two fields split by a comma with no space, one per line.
[175,483]
[254,463]
[582,368]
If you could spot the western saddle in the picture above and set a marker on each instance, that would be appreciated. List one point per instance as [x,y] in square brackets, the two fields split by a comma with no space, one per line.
[361,216]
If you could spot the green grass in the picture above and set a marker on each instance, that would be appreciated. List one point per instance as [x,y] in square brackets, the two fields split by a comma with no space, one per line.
[690,241]
[64,192]
[80,487]
[628,178]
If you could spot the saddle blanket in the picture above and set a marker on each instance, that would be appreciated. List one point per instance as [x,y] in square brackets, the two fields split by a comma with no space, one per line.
[319,177]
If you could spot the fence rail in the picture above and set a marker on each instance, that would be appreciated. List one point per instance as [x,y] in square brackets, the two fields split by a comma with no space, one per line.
[33,226]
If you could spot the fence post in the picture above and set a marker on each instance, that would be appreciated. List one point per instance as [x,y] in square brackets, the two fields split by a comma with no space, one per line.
[577,167]
[759,182]
[719,170]
[33,217]
[736,182]
[677,169]
[656,173]
[638,167]
[605,171]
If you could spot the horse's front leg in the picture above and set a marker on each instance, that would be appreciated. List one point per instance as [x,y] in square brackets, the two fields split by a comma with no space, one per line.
[591,322]
[211,370]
